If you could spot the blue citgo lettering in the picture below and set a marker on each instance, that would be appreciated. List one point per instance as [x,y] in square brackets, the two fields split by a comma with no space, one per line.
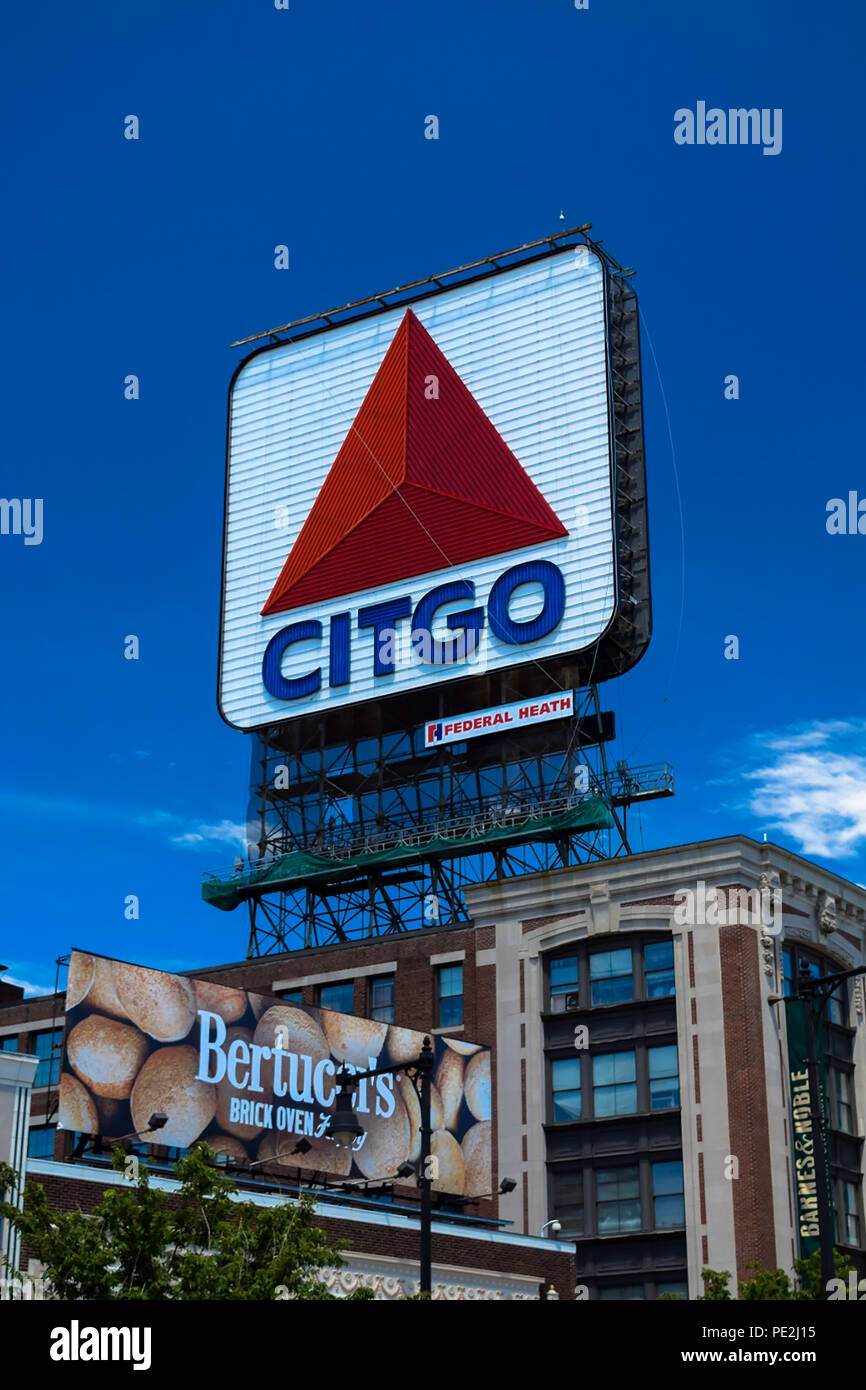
[275,682]
[542,572]
[338,670]
[381,617]
[470,620]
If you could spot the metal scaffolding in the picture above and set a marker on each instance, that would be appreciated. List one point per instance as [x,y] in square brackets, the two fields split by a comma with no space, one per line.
[460,814]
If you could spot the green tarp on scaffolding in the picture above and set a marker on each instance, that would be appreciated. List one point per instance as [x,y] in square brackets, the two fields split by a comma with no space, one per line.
[301,866]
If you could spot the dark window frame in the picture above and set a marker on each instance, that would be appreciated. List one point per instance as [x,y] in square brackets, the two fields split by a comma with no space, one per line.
[587,1173]
[441,1020]
[48,1061]
[42,1130]
[335,984]
[375,1010]
[792,951]
[640,1047]
[582,952]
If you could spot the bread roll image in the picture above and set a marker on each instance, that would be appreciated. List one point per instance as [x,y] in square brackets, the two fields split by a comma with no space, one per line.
[465,1049]
[449,1082]
[79,978]
[260,1003]
[355,1040]
[162,1005]
[225,1146]
[167,1082]
[77,1106]
[114,1117]
[230,1004]
[225,1092]
[294,1031]
[413,1111]
[103,995]
[404,1044]
[106,1055]
[477,1158]
[437,1109]
[452,1170]
[323,1155]
[387,1141]
[477,1086]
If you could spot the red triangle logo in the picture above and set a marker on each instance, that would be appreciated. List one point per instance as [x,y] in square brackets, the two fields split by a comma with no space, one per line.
[422,481]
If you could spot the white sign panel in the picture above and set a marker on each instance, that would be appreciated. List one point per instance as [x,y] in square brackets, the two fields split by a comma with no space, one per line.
[498,720]
[420,495]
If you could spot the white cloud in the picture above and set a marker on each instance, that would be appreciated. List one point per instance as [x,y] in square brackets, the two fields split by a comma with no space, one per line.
[205,835]
[201,834]
[27,986]
[812,787]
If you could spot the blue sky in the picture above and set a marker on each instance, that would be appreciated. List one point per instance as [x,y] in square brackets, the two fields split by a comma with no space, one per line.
[305,127]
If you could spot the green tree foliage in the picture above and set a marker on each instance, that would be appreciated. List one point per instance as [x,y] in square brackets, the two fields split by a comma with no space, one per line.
[774,1285]
[200,1242]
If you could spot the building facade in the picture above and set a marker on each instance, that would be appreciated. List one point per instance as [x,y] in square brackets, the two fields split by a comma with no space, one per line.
[635,1012]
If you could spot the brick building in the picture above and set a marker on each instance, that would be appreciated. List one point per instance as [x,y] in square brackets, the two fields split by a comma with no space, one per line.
[640,1055]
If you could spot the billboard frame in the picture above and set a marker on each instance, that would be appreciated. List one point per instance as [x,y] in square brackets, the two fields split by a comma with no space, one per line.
[627,634]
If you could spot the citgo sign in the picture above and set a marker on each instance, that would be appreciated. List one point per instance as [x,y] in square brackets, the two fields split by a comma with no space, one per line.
[419,494]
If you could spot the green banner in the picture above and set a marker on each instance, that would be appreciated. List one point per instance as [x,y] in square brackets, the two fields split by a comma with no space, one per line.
[803,1137]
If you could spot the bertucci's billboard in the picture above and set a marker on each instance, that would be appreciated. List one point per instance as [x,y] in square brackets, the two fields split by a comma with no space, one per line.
[250,1075]
[421,494]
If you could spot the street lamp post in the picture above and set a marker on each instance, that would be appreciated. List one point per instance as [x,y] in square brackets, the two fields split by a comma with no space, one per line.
[345,1128]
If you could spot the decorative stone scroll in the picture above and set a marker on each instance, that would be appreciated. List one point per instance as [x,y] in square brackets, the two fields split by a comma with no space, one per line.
[343,1282]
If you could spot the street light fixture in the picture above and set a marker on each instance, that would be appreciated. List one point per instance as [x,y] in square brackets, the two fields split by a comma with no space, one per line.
[345,1128]
[303,1146]
[157,1121]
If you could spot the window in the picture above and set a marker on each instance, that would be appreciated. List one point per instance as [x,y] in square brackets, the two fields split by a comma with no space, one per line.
[563,981]
[449,996]
[40,1142]
[792,960]
[610,977]
[635,971]
[614,1084]
[664,1078]
[632,1292]
[567,1203]
[339,997]
[9,1043]
[836,1006]
[668,1200]
[382,998]
[679,1290]
[47,1049]
[658,958]
[618,1199]
[842,1095]
[292,996]
[566,1088]
[848,1218]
